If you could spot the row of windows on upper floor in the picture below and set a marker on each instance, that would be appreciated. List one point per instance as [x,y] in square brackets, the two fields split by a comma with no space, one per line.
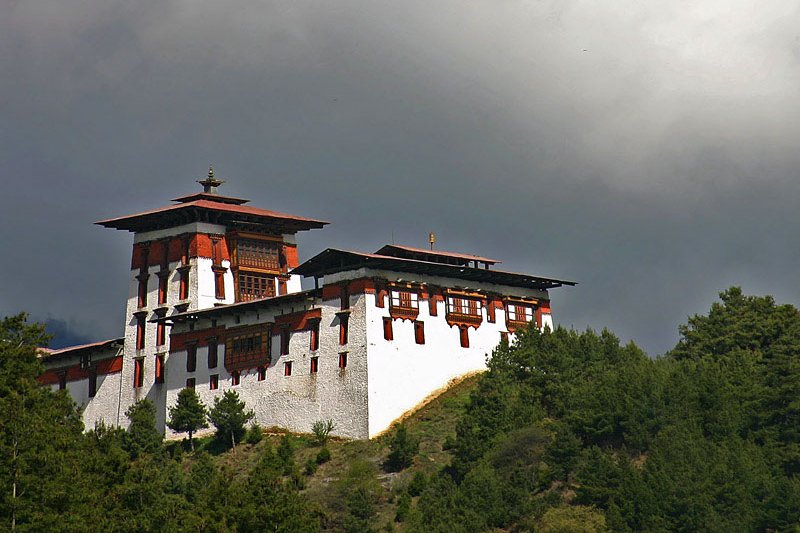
[406,303]
[249,285]
[261,370]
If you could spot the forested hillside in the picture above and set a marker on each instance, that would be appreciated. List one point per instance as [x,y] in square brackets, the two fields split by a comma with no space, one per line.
[567,431]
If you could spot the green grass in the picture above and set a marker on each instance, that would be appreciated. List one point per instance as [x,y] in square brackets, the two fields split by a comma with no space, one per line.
[432,425]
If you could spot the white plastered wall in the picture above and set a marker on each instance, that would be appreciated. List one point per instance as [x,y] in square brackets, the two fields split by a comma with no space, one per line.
[293,402]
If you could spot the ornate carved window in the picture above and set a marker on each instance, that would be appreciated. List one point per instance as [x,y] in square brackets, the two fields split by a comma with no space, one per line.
[252,253]
[404,304]
[463,311]
[254,286]
[247,347]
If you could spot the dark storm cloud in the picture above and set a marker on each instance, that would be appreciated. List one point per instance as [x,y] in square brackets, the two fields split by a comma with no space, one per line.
[646,150]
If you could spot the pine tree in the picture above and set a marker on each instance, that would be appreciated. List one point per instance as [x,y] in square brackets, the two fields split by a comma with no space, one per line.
[142,436]
[188,414]
[229,417]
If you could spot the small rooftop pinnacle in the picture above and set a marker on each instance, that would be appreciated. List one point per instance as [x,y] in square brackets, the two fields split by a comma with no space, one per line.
[211,183]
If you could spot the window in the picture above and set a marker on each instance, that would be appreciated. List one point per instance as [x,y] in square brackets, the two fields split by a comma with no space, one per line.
[285,334]
[138,372]
[262,373]
[343,320]
[163,277]
[287,368]
[258,254]
[159,368]
[247,347]
[490,308]
[345,297]
[142,292]
[419,332]
[464,336]
[92,384]
[255,286]
[219,282]
[433,307]
[314,342]
[282,288]
[62,380]
[161,334]
[504,336]
[343,360]
[236,378]
[388,334]
[212,354]
[405,300]
[184,283]
[521,313]
[191,358]
[190,382]
[213,381]
[314,365]
[140,332]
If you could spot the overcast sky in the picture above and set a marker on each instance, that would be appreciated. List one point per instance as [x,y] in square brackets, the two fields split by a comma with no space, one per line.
[648,150]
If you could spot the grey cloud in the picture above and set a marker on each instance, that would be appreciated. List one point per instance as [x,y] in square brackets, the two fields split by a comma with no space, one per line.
[646,150]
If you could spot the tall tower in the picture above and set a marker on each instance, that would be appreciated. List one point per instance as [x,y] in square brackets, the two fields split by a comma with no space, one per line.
[204,250]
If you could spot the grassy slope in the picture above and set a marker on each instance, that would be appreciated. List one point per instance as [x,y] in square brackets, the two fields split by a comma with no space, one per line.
[432,425]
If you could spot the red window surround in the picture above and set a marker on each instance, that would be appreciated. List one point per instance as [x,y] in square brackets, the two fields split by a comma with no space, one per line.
[262,373]
[388,333]
[343,360]
[287,368]
[236,378]
[213,381]
[191,358]
[344,319]
[314,342]
[285,334]
[190,383]
[140,324]
[464,336]
[419,332]
[163,277]
[160,368]
[314,365]
[138,372]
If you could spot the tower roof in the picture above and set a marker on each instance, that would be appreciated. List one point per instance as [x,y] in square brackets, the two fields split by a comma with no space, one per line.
[210,206]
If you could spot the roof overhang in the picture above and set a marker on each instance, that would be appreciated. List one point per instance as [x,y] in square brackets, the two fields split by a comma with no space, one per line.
[334,260]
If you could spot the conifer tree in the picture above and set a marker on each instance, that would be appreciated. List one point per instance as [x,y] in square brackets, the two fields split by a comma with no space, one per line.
[188,414]
[142,436]
[229,416]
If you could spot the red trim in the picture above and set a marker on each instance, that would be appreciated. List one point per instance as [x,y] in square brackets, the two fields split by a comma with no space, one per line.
[179,341]
[301,320]
[76,373]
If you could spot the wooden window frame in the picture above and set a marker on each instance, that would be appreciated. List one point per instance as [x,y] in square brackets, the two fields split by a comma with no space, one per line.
[388,328]
[342,360]
[313,343]
[138,372]
[344,321]
[142,291]
[314,365]
[191,383]
[212,353]
[287,368]
[262,373]
[286,336]
[191,357]
[93,383]
[159,368]
[236,378]
[183,287]
[140,331]
[419,332]
[163,279]
[463,333]
[213,382]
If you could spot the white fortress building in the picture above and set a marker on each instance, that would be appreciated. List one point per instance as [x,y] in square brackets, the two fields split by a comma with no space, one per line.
[215,302]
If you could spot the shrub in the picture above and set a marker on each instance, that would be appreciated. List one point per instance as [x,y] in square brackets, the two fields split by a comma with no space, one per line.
[322,430]
[403,449]
[403,508]
[311,468]
[418,484]
[323,456]
[255,435]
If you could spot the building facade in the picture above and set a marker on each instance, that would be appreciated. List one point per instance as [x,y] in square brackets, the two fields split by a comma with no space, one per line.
[215,302]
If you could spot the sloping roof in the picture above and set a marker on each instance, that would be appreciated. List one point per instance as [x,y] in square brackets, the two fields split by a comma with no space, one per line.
[81,348]
[409,252]
[221,310]
[334,260]
[205,210]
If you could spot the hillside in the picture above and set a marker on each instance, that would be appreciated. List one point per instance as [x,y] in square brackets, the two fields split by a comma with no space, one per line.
[566,431]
